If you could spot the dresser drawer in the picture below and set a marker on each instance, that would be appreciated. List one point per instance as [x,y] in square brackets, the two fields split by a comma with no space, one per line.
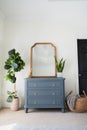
[42,92]
[45,85]
[42,100]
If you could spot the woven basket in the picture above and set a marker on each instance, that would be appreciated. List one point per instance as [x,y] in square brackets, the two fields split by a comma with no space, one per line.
[81,104]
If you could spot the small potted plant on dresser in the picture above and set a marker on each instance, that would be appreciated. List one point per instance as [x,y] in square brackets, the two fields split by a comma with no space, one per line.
[13,64]
[60,66]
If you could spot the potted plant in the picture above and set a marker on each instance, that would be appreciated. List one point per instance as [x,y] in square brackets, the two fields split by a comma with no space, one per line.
[60,66]
[13,64]
[11,96]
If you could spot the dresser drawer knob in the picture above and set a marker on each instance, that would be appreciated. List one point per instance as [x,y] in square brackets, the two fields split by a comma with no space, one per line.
[53,93]
[35,85]
[53,102]
[35,102]
[35,93]
[53,85]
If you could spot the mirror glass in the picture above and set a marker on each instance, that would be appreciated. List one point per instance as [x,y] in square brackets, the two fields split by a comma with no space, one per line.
[43,60]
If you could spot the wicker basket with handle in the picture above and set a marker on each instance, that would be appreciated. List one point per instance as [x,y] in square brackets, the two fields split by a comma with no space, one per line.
[81,104]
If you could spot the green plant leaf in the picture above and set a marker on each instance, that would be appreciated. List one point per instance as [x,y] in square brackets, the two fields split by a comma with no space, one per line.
[8,77]
[14,65]
[60,64]
[13,79]
[9,99]
[11,52]
[7,67]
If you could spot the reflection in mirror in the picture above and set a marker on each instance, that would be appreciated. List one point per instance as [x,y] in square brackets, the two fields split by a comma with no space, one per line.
[43,60]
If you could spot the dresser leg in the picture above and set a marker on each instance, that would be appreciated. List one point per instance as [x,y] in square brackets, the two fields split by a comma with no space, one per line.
[63,110]
[26,110]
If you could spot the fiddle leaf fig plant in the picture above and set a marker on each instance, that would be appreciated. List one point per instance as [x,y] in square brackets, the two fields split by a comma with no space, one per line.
[13,64]
[60,64]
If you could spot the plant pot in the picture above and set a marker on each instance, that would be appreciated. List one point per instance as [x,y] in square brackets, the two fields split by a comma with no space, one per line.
[59,74]
[15,104]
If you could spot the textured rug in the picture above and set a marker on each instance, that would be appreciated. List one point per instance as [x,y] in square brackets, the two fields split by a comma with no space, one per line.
[17,127]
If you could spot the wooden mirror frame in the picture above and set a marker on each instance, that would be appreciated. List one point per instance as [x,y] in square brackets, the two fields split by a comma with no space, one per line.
[31,58]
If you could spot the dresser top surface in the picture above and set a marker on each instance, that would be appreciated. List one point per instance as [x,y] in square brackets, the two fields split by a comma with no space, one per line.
[46,79]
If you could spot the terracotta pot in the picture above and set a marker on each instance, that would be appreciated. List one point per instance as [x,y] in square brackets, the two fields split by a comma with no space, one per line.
[15,104]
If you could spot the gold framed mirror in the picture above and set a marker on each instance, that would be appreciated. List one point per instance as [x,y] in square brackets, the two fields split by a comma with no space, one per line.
[42,60]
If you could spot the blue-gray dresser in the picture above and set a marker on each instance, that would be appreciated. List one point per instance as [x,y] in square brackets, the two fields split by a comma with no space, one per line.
[44,93]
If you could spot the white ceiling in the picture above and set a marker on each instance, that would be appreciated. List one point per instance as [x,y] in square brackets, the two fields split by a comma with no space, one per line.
[42,9]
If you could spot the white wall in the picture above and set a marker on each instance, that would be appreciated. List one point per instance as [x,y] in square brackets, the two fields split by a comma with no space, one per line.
[1,55]
[62,26]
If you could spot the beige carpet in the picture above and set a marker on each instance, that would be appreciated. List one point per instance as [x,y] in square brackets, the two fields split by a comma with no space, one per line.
[42,117]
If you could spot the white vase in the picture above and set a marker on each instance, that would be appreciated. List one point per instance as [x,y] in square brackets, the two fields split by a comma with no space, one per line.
[59,74]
